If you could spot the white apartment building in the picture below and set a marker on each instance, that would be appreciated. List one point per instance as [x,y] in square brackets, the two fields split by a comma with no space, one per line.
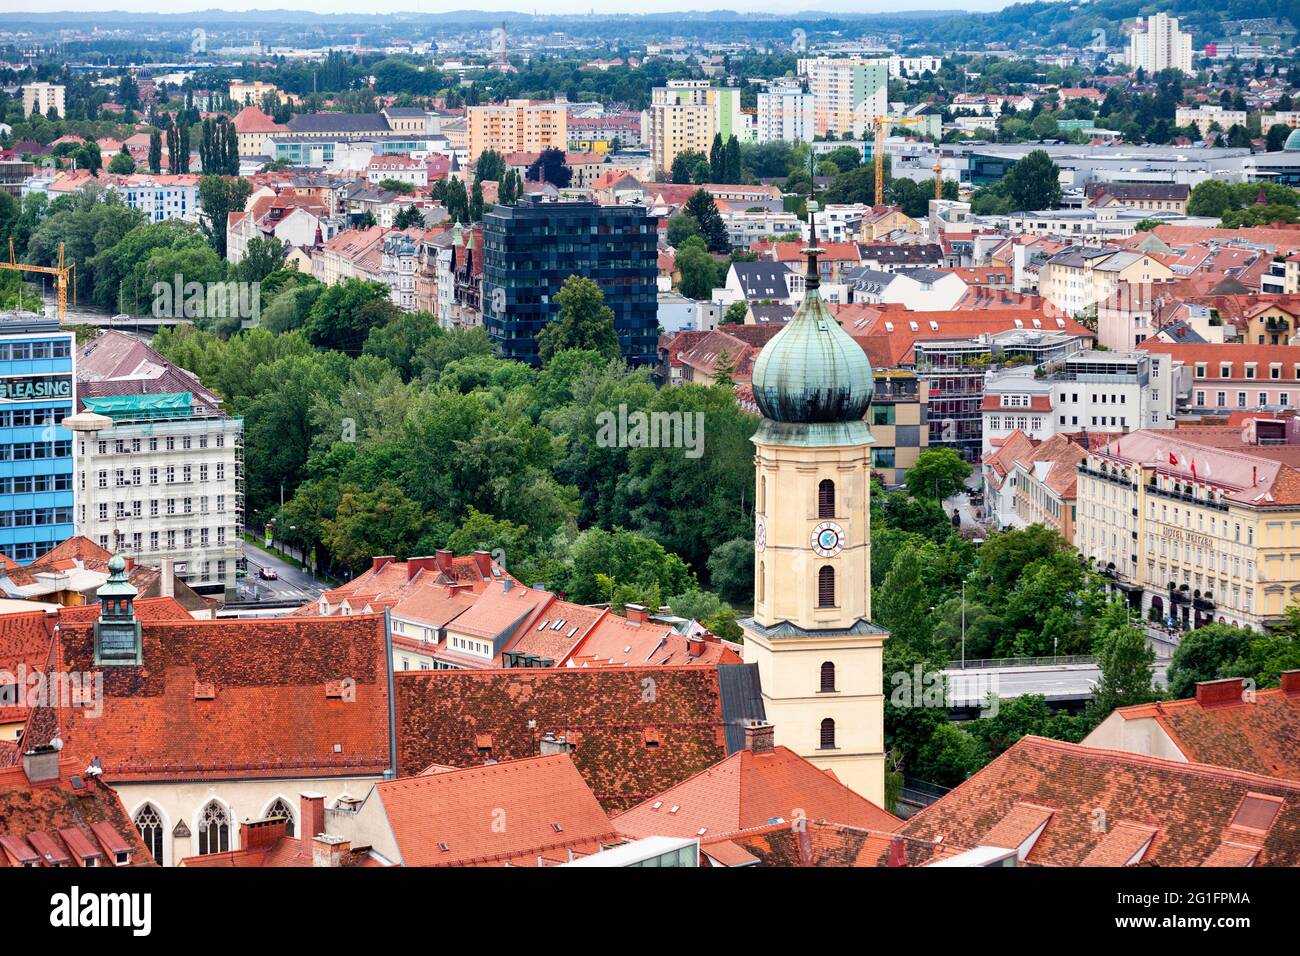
[163,487]
[158,465]
[900,66]
[786,114]
[849,93]
[42,97]
[1160,45]
[398,167]
[1087,391]
[1206,116]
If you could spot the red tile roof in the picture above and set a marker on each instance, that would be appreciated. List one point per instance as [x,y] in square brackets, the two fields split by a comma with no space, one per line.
[618,641]
[269,714]
[1085,794]
[66,818]
[542,805]
[819,843]
[1257,736]
[605,713]
[752,790]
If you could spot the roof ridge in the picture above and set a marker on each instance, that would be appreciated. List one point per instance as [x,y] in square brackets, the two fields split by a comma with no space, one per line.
[1124,756]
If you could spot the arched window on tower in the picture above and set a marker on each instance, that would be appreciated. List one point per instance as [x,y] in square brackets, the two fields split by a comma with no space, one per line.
[214,829]
[149,822]
[828,734]
[281,809]
[828,678]
[762,494]
[762,580]
[826,586]
[826,499]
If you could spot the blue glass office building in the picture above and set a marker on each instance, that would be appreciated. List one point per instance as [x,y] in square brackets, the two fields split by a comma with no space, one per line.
[529,249]
[36,394]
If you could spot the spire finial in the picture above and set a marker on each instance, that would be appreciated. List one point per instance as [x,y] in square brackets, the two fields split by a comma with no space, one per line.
[812,250]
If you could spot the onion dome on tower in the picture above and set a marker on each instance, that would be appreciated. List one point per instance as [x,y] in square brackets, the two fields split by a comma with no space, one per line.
[812,379]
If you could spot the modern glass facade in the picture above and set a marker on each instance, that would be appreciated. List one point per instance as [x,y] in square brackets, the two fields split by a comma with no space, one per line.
[36,394]
[530,249]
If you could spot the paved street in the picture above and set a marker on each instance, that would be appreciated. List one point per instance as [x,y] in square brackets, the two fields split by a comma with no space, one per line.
[292,585]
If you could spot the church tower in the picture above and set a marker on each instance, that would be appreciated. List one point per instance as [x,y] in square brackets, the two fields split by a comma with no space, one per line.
[818,654]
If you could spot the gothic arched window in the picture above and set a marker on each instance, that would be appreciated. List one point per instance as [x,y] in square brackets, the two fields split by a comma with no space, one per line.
[149,822]
[826,586]
[828,734]
[214,829]
[826,499]
[281,809]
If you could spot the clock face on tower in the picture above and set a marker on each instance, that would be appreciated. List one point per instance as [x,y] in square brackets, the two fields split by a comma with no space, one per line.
[828,539]
[760,532]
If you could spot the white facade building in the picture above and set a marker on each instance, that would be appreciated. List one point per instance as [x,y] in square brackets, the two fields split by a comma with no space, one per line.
[170,488]
[1088,391]
[1160,45]
[786,114]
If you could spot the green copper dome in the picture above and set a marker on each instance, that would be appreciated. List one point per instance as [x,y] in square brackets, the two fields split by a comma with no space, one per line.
[812,371]
[1292,144]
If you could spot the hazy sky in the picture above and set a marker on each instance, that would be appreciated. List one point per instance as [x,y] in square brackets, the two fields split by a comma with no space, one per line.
[551,6]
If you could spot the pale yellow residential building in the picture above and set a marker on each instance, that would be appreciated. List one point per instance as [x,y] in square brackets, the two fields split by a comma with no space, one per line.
[1080,278]
[1194,525]
[519,126]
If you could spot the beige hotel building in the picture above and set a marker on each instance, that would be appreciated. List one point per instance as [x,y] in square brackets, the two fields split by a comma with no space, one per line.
[1201,524]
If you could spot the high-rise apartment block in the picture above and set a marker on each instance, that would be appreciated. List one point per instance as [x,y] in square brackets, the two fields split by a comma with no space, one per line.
[1159,45]
[786,114]
[519,126]
[43,97]
[850,93]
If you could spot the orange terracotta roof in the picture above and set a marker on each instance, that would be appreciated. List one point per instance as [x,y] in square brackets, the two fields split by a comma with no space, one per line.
[300,697]
[1257,736]
[820,843]
[749,790]
[444,819]
[66,818]
[1080,786]
[461,718]
[618,641]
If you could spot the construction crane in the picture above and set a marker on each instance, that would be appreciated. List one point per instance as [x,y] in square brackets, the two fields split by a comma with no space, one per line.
[65,274]
[882,124]
[938,178]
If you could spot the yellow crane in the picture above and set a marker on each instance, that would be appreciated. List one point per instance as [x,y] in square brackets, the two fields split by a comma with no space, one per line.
[882,124]
[65,274]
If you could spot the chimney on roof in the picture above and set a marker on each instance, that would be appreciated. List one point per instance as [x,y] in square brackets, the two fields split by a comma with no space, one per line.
[379,562]
[259,833]
[507,584]
[636,613]
[1291,683]
[312,819]
[41,764]
[1221,693]
[330,851]
[551,744]
[695,645]
[167,577]
[759,736]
